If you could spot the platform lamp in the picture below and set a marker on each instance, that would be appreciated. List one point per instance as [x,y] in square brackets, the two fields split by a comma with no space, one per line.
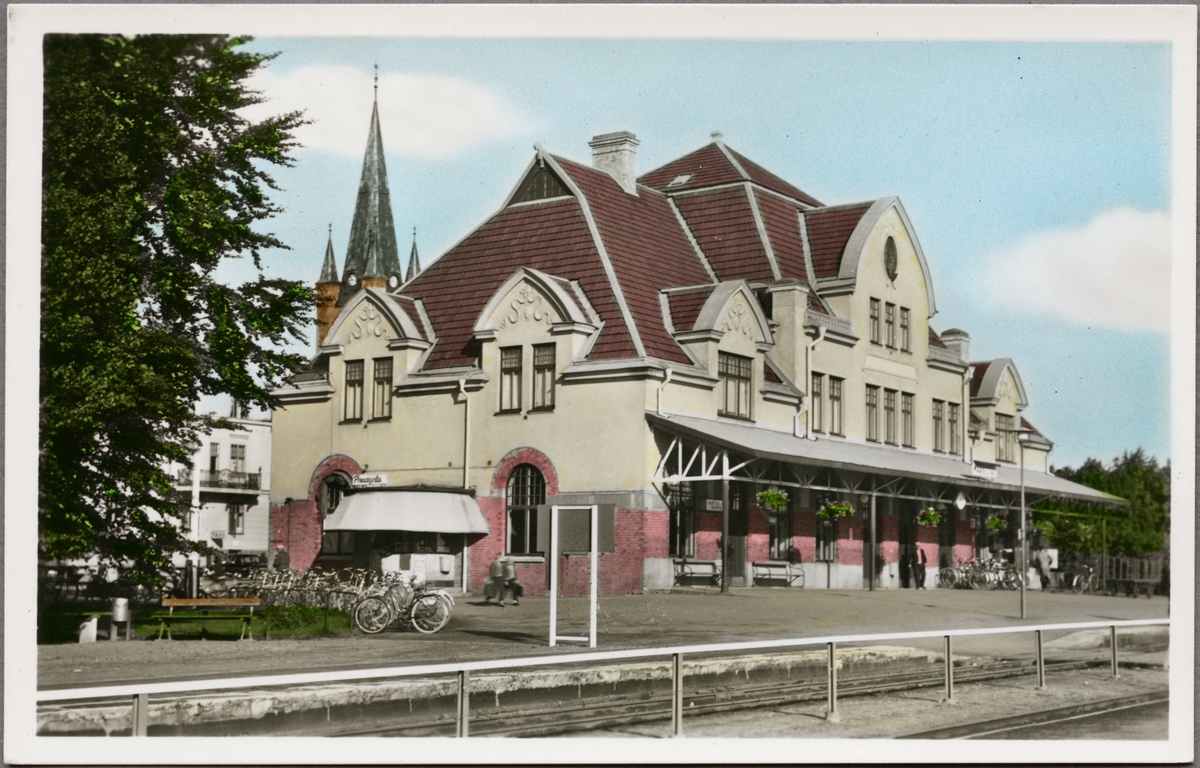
[1022,438]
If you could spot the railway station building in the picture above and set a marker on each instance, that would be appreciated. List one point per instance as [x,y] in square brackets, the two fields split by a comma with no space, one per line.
[667,346]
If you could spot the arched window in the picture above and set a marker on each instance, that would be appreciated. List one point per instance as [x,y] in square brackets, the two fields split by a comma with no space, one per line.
[526,490]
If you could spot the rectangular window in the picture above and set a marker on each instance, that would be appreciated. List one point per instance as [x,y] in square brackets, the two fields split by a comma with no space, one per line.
[905,334]
[889,415]
[214,456]
[237,457]
[939,411]
[354,390]
[952,427]
[510,379]
[543,377]
[1006,438]
[890,324]
[906,419]
[826,541]
[735,372]
[815,398]
[681,501]
[779,536]
[381,400]
[237,519]
[835,405]
[874,321]
[337,543]
[873,413]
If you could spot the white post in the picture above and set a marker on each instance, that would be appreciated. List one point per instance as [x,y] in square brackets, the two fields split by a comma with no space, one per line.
[553,576]
[595,518]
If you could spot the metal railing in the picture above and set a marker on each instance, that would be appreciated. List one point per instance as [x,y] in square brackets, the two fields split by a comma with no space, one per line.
[140,693]
[223,478]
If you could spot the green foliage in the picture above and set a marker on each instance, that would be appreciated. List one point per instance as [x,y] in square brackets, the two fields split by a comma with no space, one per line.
[150,181]
[776,500]
[836,509]
[1137,529]
[284,617]
[929,517]
[996,523]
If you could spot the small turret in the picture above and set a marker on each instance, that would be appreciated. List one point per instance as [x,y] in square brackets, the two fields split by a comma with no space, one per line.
[414,260]
[329,286]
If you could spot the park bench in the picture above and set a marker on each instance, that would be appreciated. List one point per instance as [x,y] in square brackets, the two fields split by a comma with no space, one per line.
[227,608]
[778,571]
[688,571]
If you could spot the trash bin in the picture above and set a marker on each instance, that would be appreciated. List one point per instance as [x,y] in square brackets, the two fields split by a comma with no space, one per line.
[120,609]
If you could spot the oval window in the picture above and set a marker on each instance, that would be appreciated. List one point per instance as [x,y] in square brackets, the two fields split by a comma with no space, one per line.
[889,258]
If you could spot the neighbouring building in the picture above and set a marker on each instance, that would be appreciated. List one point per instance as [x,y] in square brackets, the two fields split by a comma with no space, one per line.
[231,484]
[668,346]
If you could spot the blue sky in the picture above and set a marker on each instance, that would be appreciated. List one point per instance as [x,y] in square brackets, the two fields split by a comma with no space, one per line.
[1037,175]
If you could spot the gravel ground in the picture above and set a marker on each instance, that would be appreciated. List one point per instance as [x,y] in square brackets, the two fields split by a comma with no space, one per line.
[898,714]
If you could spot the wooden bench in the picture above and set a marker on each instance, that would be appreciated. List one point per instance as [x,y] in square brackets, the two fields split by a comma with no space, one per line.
[688,570]
[778,570]
[229,608]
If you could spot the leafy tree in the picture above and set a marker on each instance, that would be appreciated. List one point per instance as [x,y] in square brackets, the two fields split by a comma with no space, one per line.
[1137,529]
[151,179]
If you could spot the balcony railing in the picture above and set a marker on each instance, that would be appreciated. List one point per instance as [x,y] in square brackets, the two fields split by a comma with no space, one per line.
[222,478]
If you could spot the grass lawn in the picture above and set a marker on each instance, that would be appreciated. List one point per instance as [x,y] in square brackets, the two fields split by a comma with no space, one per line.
[60,623]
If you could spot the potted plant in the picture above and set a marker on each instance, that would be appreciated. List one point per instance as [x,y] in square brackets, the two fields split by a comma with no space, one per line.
[996,523]
[835,509]
[773,500]
[929,517]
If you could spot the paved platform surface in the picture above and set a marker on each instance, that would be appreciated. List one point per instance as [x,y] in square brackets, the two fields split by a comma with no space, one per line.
[682,617]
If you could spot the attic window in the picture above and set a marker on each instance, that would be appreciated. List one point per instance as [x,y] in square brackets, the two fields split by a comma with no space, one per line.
[681,180]
[889,258]
[540,185]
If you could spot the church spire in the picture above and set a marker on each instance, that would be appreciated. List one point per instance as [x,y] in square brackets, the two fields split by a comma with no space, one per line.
[329,268]
[414,260]
[373,228]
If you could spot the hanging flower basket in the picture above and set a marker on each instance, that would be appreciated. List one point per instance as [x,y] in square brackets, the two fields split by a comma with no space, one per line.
[773,500]
[929,517]
[836,509]
[996,523]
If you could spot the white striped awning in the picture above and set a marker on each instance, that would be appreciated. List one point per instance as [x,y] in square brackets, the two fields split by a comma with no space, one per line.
[427,511]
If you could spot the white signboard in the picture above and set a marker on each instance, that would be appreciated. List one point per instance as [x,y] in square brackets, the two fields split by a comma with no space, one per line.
[984,471]
[713,505]
[369,480]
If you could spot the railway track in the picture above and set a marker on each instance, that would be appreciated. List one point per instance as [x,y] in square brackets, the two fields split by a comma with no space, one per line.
[638,709]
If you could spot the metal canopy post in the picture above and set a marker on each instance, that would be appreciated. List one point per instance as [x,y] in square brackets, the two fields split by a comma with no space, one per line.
[874,546]
[726,575]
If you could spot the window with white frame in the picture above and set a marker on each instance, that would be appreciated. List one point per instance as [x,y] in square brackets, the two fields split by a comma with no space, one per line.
[953,428]
[510,379]
[526,491]
[939,415]
[735,373]
[873,413]
[543,377]
[681,502]
[779,535]
[874,324]
[816,402]
[214,456]
[1006,438]
[237,457]
[905,331]
[381,399]
[835,405]
[889,323]
[889,415]
[354,390]
[906,419]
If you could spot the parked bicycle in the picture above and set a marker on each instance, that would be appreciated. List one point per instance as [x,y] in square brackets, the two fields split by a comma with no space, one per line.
[397,597]
[1082,579]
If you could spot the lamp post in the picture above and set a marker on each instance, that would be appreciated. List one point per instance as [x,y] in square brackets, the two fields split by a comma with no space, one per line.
[1022,437]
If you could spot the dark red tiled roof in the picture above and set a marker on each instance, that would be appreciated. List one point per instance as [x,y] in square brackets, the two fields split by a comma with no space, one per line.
[1026,425]
[815,305]
[552,237]
[828,233]
[685,307]
[708,167]
[770,375]
[783,229]
[723,226]
[769,180]
[975,420]
[977,379]
[648,251]
[935,340]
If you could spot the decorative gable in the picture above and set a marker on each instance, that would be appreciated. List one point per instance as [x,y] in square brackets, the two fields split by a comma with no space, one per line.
[531,304]
[374,319]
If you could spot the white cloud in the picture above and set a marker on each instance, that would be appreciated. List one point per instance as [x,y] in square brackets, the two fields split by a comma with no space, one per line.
[427,116]
[1114,272]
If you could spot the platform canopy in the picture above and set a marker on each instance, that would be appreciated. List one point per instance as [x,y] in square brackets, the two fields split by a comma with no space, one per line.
[692,446]
[425,511]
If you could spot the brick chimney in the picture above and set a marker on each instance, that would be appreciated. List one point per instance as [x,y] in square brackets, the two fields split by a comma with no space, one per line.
[616,155]
[958,342]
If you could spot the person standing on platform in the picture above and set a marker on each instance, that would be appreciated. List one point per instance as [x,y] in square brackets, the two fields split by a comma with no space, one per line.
[922,562]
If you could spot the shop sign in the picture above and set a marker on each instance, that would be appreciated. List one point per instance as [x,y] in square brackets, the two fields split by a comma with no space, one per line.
[713,505]
[985,470]
[369,480]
